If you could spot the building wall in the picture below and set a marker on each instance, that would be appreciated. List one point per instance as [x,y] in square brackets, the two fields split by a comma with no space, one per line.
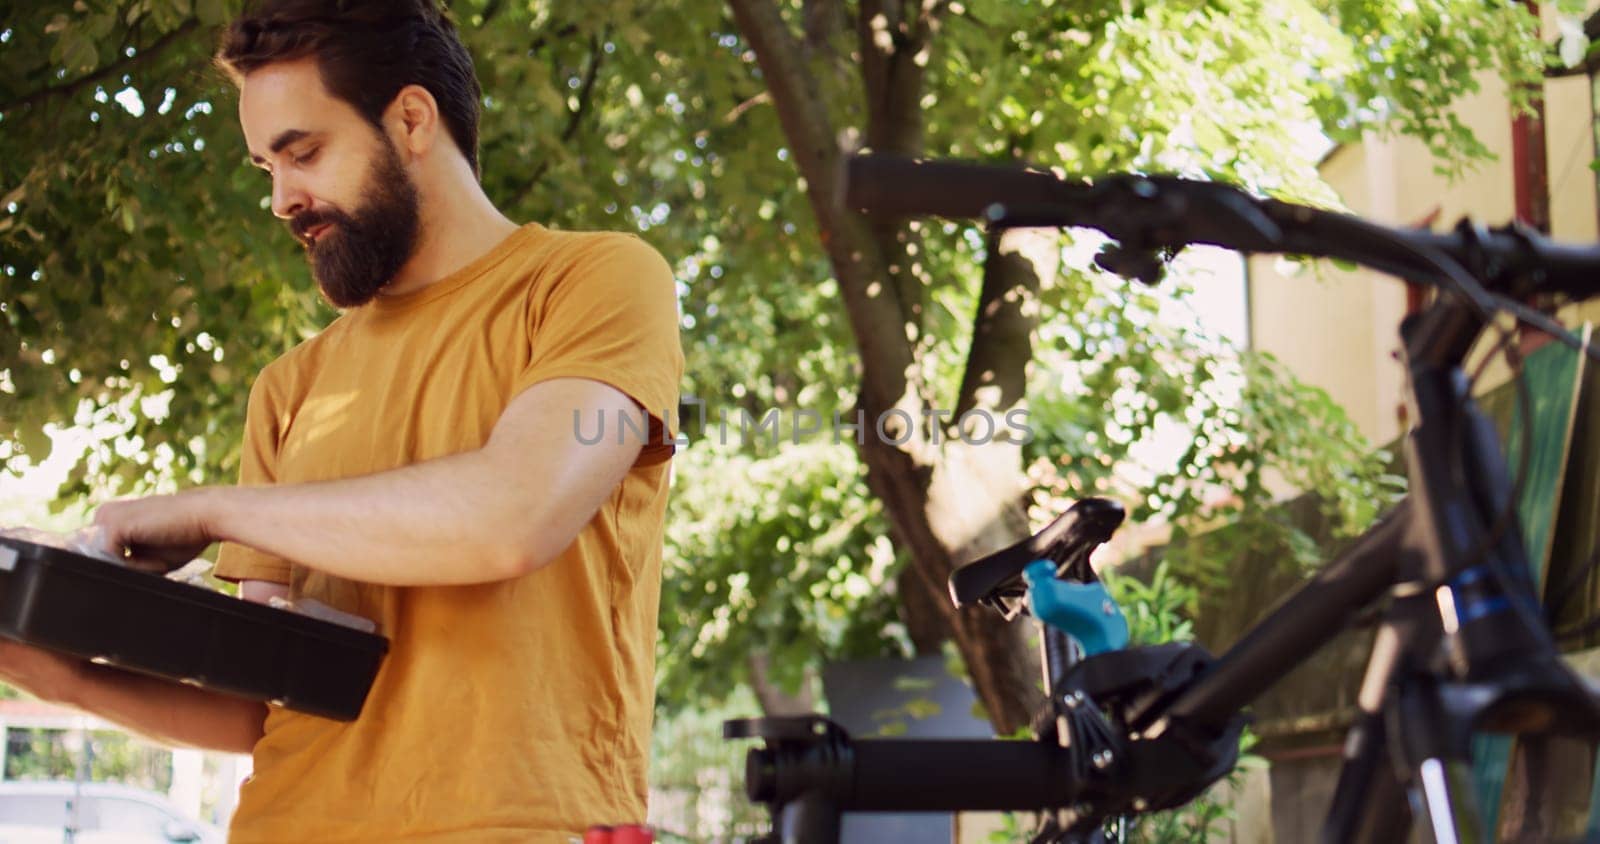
[1338,330]
[1568,124]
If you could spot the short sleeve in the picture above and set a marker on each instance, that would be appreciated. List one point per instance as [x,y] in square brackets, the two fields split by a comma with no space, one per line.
[612,317]
[257,459]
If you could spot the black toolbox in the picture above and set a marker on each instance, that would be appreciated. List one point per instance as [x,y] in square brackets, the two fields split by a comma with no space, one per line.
[143,622]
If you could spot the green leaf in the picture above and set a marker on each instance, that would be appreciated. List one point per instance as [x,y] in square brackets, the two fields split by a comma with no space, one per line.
[78,53]
[36,444]
[211,12]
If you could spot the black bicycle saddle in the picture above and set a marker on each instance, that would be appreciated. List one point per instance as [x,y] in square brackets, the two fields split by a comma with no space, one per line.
[996,580]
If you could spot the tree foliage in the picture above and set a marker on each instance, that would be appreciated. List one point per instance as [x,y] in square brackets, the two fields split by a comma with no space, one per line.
[144,283]
[94,755]
[727,601]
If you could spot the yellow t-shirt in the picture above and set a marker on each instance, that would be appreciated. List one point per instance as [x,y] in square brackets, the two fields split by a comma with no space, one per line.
[510,711]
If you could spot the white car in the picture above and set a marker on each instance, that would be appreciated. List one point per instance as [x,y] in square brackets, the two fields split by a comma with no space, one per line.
[64,812]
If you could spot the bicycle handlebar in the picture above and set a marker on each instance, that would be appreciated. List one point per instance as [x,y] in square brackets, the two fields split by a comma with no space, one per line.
[922,775]
[809,754]
[1162,212]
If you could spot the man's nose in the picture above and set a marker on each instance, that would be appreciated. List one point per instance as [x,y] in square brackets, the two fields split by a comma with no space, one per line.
[288,199]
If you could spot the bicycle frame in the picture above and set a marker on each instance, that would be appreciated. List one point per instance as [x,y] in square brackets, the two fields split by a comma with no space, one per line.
[1425,556]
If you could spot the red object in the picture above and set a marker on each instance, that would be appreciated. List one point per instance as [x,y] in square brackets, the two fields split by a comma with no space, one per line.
[626,834]
[632,834]
[1530,166]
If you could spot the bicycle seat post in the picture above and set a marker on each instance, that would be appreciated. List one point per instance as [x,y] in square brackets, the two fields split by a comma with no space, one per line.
[1059,652]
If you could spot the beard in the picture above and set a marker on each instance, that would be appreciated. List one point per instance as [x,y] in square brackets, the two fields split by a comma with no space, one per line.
[360,253]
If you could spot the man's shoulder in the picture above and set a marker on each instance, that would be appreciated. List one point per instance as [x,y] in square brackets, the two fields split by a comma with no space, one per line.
[587,264]
[583,247]
[591,238]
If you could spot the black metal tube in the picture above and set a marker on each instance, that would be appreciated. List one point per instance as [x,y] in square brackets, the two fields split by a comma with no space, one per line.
[809,819]
[1304,622]
[893,775]
[885,184]
[1179,212]
[1059,655]
[1369,804]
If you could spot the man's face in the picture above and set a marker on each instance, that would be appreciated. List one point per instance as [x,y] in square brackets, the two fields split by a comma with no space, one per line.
[336,179]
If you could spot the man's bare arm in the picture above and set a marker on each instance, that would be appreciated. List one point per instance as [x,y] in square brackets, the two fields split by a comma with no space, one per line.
[164,711]
[495,513]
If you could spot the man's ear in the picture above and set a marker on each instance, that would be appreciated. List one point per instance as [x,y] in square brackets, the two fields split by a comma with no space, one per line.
[414,118]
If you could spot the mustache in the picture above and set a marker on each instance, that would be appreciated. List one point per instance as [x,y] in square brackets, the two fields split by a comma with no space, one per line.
[305,221]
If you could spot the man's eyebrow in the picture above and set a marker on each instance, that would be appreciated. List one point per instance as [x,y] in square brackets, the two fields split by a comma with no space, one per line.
[284,138]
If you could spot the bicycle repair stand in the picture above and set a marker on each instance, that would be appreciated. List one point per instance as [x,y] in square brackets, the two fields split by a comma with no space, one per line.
[811,770]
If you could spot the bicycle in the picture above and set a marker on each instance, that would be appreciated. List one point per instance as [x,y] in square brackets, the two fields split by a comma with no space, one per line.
[1461,642]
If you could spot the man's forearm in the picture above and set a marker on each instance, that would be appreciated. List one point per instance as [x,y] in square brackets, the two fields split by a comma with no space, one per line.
[491,514]
[441,522]
[169,713]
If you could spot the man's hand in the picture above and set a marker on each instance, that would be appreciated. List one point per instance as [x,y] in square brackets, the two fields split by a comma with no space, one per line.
[166,529]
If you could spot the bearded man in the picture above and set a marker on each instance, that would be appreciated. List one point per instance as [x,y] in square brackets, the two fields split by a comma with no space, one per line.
[417,463]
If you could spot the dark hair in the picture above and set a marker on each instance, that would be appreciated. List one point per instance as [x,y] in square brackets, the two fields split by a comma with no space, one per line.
[366,51]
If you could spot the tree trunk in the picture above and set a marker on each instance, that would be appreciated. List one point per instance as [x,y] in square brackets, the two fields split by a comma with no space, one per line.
[947,500]
[775,702]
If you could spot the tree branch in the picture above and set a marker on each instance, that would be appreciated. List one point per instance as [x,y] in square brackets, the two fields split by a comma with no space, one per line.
[566,31]
[492,9]
[774,701]
[995,379]
[586,90]
[820,17]
[877,317]
[875,42]
[1587,67]
[1591,62]
[807,127]
[738,111]
[574,116]
[125,63]
[930,18]
[893,79]
[893,76]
